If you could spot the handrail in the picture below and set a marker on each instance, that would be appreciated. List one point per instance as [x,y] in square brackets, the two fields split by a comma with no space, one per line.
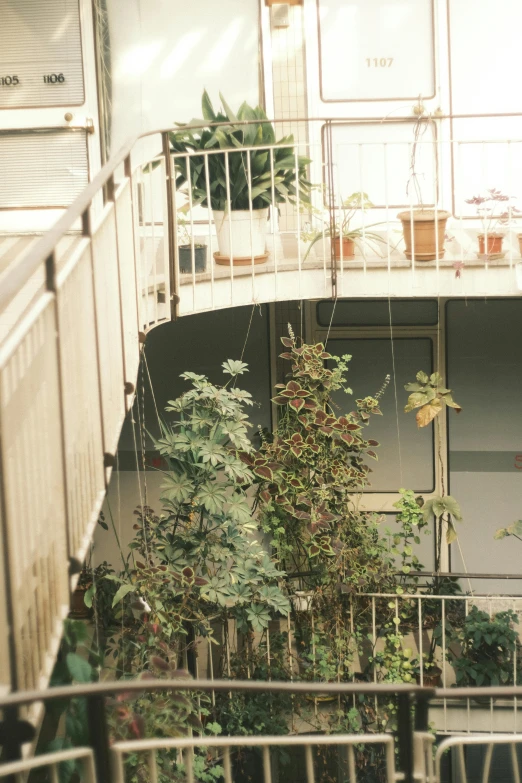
[17,274]
[22,698]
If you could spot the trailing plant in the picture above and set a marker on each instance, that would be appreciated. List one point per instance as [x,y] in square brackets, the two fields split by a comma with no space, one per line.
[394,662]
[238,180]
[310,472]
[482,651]
[446,510]
[410,520]
[430,396]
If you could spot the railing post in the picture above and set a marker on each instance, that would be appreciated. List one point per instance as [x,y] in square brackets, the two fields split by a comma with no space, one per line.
[14,733]
[331,203]
[405,736]
[99,737]
[170,224]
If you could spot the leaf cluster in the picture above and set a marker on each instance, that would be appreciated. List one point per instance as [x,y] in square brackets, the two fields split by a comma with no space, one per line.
[430,396]
[483,648]
[310,472]
[238,179]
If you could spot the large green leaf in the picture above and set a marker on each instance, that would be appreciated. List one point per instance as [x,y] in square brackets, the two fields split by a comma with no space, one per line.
[79,669]
[230,114]
[124,590]
[212,496]
[207,108]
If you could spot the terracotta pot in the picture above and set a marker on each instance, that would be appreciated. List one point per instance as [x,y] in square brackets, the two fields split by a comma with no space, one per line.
[494,244]
[424,240]
[78,609]
[348,248]
[431,678]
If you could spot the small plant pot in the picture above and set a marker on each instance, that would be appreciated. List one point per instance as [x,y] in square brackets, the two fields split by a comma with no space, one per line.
[78,609]
[483,701]
[425,235]
[431,678]
[348,246]
[492,247]
[241,235]
[302,600]
[185,258]
[321,698]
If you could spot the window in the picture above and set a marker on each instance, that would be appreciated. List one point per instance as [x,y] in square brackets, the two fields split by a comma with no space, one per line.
[405,452]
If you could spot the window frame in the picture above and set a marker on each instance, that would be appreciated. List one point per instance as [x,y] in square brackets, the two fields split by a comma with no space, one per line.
[382,502]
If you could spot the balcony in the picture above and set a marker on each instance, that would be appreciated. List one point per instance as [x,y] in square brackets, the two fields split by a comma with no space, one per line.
[75,310]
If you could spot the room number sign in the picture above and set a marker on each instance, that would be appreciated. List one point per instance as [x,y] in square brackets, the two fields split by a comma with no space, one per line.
[367,49]
[40,54]
[379,62]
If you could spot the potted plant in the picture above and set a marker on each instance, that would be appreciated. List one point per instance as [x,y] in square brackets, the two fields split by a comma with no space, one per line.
[241,184]
[318,662]
[424,231]
[423,228]
[488,206]
[185,251]
[79,609]
[482,650]
[345,238]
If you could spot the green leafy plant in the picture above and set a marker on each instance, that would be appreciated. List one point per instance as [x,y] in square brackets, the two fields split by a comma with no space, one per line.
[357,202]
[239,179]
[78,663]
[310,471]
[430,396]
[483,649]
[198,560]
[395,662]
[411,520]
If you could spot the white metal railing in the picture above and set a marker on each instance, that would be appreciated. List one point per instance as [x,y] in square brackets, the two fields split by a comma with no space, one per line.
[411,753]
[16,771]
[412,620]
[225,745]
[69,353]
[75,307]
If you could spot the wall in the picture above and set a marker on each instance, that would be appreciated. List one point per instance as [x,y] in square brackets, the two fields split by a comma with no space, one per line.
[485,373]
[165,52]
[197,343]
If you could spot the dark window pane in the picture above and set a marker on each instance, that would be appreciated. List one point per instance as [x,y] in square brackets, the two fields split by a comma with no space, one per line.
[376,312]
[405,452]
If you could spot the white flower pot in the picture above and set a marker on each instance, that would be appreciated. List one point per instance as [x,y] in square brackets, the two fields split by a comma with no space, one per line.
[241,234]
[302,600]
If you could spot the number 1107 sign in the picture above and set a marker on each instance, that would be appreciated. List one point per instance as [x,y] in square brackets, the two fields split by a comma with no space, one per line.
[376,49]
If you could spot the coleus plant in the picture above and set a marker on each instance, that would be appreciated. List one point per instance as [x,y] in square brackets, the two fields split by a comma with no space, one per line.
[311,471]
[429,395]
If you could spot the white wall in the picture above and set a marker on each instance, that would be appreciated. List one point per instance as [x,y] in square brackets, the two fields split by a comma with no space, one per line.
[165,52]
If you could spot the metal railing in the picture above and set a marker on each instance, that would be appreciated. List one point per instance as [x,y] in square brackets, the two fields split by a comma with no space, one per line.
[72,319]
[409,753]
[423,625]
